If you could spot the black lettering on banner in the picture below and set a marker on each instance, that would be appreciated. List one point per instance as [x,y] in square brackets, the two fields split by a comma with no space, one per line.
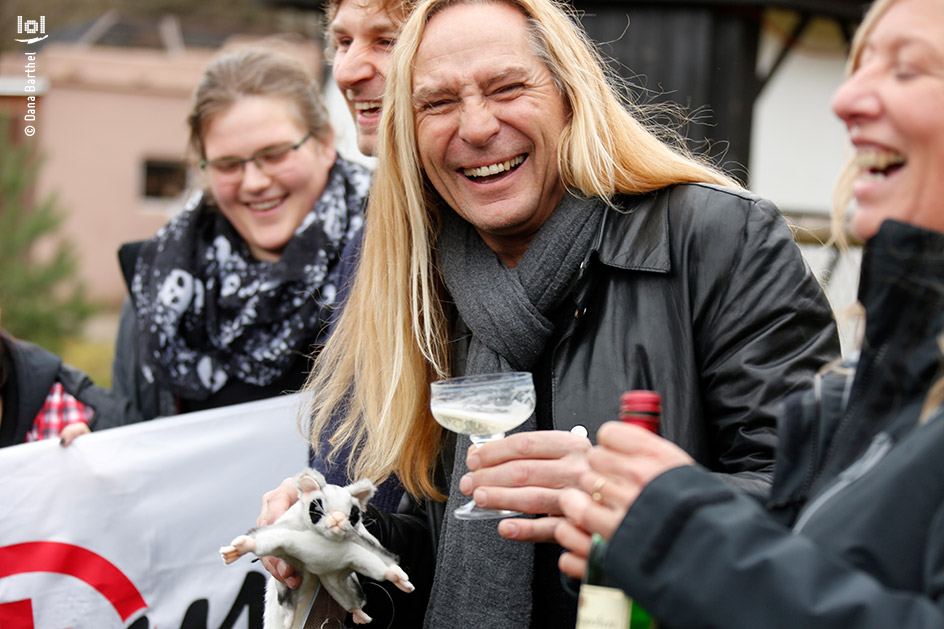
[251,597]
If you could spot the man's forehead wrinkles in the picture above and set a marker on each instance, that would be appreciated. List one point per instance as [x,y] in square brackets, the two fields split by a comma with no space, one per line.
[446,85]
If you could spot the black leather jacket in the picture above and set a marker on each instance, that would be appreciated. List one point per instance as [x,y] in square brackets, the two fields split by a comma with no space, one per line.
[700,293]
[853,535]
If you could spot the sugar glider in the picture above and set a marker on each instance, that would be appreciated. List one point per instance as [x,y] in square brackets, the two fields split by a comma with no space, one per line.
[322,534]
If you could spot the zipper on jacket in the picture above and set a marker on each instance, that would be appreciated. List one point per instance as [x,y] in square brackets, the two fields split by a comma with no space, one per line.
[812,469]
[849,413]
[876,451]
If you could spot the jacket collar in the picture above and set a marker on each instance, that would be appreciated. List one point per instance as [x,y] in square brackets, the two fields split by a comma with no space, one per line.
[902,289]
[902,277]
[635,235]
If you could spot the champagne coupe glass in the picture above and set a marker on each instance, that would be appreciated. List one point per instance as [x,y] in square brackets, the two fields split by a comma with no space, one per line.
[483,407]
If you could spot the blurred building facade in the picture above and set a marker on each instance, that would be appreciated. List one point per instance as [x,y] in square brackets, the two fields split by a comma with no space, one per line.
[110,125]
[112,104]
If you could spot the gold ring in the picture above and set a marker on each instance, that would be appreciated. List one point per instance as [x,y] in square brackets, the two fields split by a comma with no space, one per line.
[597,486]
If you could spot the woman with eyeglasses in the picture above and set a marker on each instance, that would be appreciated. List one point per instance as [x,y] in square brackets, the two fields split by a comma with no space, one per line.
[229,299]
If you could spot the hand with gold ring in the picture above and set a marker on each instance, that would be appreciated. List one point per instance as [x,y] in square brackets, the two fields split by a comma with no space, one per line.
[625,461]
[597,489]
[586,513]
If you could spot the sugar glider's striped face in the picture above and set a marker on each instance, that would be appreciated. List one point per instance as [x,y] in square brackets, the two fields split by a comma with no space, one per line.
[335,510]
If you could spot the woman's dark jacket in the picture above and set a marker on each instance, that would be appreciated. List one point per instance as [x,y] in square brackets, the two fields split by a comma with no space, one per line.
[853,534]
[696,291]
[34,371]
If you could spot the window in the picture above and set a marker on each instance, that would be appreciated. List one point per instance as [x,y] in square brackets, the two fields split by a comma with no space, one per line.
[164,179]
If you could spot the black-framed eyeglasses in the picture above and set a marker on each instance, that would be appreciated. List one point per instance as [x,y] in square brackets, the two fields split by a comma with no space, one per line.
[268,160]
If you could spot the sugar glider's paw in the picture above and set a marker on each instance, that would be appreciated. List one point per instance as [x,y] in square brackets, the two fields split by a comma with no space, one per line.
[237,548]
[360,617]
[399,578]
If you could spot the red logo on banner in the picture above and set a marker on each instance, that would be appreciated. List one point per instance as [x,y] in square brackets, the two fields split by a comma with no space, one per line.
[70,560]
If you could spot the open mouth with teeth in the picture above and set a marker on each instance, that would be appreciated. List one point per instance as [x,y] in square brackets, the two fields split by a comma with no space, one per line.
[368,108]
[265,206]
[879,164]
[491,172]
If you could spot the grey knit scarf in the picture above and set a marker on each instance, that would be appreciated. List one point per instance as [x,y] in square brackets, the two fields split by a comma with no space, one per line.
[481,579]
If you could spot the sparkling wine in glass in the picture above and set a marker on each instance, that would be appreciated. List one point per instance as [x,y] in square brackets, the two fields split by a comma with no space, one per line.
[484,407]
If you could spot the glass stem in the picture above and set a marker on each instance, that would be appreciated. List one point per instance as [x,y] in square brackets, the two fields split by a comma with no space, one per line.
[478,440]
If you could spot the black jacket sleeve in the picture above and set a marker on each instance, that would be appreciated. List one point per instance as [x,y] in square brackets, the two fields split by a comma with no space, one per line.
[127,379]
[694,553]
[763,328]
[111,409]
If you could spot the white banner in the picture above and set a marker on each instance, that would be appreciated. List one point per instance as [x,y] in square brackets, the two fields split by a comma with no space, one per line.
[123,527]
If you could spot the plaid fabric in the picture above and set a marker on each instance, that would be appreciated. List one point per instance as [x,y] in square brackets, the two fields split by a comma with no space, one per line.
[60,410]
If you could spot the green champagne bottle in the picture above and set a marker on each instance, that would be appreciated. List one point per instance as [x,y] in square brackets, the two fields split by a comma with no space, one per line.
[602,606]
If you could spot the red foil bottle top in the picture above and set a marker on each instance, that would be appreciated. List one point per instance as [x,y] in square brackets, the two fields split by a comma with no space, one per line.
[643,408]
[640,401]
